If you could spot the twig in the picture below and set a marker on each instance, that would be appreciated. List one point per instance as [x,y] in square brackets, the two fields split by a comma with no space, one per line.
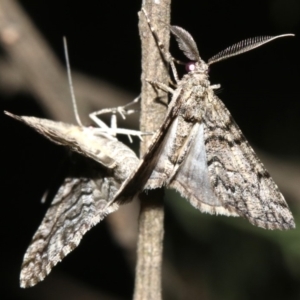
[150,236]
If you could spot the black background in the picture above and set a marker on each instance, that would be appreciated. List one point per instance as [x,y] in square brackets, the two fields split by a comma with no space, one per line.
[261,89]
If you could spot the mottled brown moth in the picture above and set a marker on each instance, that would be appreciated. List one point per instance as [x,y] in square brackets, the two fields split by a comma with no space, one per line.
[200,151]
[85,197]
[82,201]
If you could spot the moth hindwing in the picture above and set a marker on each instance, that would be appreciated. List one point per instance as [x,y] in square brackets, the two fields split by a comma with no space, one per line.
[200,151]
[83,199]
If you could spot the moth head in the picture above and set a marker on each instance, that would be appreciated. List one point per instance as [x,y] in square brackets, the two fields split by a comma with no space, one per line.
[197,66]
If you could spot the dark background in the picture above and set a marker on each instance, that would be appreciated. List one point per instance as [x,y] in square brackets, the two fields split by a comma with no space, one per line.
[205,257]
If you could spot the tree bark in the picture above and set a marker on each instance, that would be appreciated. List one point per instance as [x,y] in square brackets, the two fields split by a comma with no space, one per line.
[151,231]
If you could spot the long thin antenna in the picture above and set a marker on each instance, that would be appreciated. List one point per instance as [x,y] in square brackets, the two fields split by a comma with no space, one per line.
[71,82]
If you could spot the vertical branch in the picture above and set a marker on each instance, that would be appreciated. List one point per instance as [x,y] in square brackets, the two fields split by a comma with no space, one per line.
[150,236]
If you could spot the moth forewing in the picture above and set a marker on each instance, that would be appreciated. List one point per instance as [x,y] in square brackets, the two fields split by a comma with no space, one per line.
[83,199]
[79,204]
[79,139]
[192,179]
[200,151]
[238,177]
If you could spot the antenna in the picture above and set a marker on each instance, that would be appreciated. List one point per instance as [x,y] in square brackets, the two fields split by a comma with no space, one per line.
[71,82]
[244,46]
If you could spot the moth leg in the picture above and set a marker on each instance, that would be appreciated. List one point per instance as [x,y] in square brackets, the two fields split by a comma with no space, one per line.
[125,112]
[178,62]
[164,52]
[172,83]
[113,129]
[119,109]
[161,86]
[103,128]
[129,132]
[215,86]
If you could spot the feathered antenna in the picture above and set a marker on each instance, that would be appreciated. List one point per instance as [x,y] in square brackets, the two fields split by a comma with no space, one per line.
[244,46]
[186,43]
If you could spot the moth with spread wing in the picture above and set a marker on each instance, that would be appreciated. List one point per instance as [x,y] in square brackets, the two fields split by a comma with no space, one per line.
[200,151]
[82,200]
[86,195]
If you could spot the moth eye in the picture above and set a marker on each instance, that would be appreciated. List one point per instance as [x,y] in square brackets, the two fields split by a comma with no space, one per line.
[190,66]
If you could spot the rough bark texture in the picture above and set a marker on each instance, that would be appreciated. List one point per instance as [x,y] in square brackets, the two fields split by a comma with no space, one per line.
[154,104]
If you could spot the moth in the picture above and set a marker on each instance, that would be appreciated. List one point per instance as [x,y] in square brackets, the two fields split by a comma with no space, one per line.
[83,199]
[100,166]
[200,151]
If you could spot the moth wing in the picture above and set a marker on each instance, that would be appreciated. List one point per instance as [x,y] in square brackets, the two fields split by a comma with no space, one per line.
[80,203]
[82,140]
[238,178]
[84,198]
[148,174]
[192,178]
[161,165]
